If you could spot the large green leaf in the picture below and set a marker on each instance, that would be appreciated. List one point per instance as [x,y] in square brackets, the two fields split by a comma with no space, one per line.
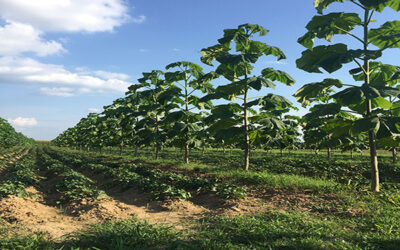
[364,125]
[238,59]
[277,75]
[395,110]
[184,64]
[325,26]
[209,54]
[330,58]
[272,102]
[380,5]
[223,124]
[349,96]
[387,36]
[233,72]
[328,109]
[310,91]
[258,82]
[323,4]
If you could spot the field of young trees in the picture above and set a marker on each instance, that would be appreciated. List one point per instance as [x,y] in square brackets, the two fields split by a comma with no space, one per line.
[181,162]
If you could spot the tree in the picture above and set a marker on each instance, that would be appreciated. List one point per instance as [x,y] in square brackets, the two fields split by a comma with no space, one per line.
[157,98]
[187,77]
[236,54]
[370,99]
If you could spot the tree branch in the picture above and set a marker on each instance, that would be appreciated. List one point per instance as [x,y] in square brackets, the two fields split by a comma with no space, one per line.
[359,5]
[361,67]
[349,33]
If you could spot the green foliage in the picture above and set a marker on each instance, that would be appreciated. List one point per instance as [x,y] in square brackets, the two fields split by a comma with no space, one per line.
[9,137]
[18,176]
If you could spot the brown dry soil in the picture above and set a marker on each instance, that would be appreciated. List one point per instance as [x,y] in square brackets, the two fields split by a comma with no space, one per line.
[40,212]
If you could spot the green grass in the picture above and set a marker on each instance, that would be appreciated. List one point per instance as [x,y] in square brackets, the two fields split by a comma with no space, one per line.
[295,230]
[281,181]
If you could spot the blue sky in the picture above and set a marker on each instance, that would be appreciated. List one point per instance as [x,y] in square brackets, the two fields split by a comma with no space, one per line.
[61,59]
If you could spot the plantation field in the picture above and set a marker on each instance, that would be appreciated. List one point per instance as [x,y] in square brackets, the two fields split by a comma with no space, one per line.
[54,198]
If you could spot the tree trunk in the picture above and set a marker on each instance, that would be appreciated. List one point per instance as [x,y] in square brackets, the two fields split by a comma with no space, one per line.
[157,138]
[157,149]
[281,152]
[329,153]
[246,134]
[394,155]
[186,153]
[351,154]
[371,133]
[120,149]
[187,119]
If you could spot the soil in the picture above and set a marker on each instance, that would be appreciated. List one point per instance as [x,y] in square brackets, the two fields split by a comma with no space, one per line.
[40,212]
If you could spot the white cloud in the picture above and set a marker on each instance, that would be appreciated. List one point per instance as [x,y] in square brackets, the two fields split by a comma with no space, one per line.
[111,75]
[139,19]
[69,15]
[276,62]
[23,122]
[17,38]
[176,49]
[29,71]
[65,92]
[94,110]
[143,50]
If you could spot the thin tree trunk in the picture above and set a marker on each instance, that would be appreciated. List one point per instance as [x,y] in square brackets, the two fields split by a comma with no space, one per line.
[187,119]
[246,134]
[120,149]
[281,152]
[329,153]
[371,133]
[157,139]
[351,154]
[394,155]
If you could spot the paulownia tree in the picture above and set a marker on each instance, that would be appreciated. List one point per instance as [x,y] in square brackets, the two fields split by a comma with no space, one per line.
[156,98]
[237,54]
[187,77]
[378,80]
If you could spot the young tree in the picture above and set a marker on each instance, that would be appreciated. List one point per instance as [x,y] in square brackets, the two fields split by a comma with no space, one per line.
[187,77]
[236,54]
[378,80]
[157,98]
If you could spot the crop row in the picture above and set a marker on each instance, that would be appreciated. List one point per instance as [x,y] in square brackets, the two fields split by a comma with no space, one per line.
[18,176]
[6,153]
[71,184]
[12,157]
[160,184]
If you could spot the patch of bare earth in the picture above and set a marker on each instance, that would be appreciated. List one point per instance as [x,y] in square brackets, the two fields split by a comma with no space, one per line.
[35,216]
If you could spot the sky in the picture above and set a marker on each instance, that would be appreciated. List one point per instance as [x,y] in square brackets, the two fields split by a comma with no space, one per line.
[62,59]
